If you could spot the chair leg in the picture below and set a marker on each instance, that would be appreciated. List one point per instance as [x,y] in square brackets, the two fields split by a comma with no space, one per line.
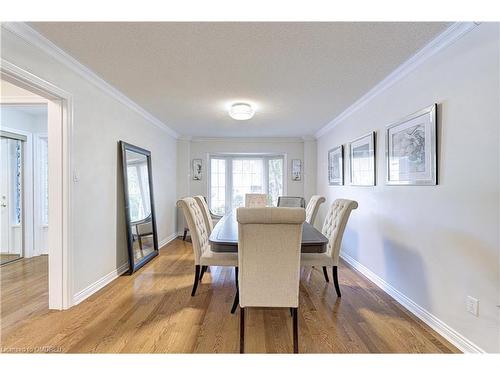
[237,295]
[326,274]
[185,234]
[336,281]
[235,302]
[295,330]
[203,269]
[242,330]
[196,279]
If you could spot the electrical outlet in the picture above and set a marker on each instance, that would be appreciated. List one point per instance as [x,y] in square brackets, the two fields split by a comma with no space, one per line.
[472,305]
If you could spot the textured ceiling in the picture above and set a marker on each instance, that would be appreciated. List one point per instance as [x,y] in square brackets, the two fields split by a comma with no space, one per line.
[299,75]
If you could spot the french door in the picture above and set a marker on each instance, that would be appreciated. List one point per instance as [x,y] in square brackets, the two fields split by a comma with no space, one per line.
[233,176]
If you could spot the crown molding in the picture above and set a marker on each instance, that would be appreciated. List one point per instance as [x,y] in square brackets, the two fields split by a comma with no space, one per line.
[308,138]
[443,40]
[36,39]
[249,139]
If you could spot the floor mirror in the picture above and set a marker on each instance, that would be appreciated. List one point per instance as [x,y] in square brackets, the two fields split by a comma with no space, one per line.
[140,217]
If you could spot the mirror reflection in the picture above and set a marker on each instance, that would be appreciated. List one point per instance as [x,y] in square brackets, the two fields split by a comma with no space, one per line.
[138,196]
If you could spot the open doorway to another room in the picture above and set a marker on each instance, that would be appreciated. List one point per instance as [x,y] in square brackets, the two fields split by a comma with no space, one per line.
[24,248]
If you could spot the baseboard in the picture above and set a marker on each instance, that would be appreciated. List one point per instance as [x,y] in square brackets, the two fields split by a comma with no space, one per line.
[461,342]
[105,280]
[167,240]
[99,284]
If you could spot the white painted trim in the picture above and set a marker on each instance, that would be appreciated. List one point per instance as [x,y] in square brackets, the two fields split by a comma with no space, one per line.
[38,227]
[23,100]
[245,140]
[461,342]
[36,39]
[99,284]
[445,39]
[107,279]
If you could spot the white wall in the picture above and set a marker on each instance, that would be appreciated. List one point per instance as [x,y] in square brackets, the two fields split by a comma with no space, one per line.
[435,244]
[292,148]
[100,121]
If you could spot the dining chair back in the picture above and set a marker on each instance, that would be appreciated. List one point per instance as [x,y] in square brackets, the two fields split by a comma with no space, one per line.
[207,217]
[313,208]
[334,226]
[291,202]
[255,200]
[269,242]
[333,229]
[203,255]
[197,227]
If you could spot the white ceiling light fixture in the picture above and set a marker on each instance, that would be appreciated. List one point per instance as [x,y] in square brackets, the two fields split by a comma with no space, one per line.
[241,111]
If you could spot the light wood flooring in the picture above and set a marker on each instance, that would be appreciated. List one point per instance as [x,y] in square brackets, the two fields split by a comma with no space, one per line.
[152,312]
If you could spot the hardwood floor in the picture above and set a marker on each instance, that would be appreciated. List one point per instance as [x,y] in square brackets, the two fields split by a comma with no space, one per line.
[152,311]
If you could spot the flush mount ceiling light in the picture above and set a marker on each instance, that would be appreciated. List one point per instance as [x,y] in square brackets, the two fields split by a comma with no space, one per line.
[241,111]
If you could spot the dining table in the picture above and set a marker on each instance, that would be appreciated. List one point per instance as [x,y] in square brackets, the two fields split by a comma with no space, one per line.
[224,239]
[224,236]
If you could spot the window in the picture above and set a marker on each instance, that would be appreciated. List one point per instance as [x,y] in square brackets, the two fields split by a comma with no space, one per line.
[218,186]
[231,177]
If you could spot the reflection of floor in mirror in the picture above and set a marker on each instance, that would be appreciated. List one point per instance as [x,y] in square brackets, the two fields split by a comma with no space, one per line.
[147,247]
[4,258]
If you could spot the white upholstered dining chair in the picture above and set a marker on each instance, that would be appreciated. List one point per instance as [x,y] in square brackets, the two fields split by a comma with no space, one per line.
[333,228]
[255,200]
[269,242]
[202,201]
[203,255]
[313,208]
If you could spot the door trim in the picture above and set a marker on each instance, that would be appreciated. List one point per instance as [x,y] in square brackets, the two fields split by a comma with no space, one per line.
[60,129]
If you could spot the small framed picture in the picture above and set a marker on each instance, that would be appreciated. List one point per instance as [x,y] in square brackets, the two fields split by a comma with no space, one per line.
[197,169]
[411,149]
[362,160]
[336,166]
[296,170]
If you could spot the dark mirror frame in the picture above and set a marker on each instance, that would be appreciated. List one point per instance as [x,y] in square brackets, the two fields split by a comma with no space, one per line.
[132,265]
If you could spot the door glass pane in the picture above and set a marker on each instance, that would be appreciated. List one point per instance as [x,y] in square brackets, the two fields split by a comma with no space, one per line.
[275,180]
[248,177]
[218,186]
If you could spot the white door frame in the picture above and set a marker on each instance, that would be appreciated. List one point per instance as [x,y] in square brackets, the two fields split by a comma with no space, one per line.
[60,124]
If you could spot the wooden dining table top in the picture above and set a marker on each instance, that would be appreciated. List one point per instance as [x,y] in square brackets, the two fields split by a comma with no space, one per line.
[224,237]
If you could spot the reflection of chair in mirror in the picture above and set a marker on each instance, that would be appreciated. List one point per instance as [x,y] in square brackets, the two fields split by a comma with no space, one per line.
[141,228]
[255,200]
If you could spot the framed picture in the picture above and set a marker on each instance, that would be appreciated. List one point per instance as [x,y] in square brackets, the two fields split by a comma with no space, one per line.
[296,170]
[197,168]
[362,160]
[411,146]
[336,166]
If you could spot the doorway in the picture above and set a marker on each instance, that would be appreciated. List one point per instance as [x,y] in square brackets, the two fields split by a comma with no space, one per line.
[29,90]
